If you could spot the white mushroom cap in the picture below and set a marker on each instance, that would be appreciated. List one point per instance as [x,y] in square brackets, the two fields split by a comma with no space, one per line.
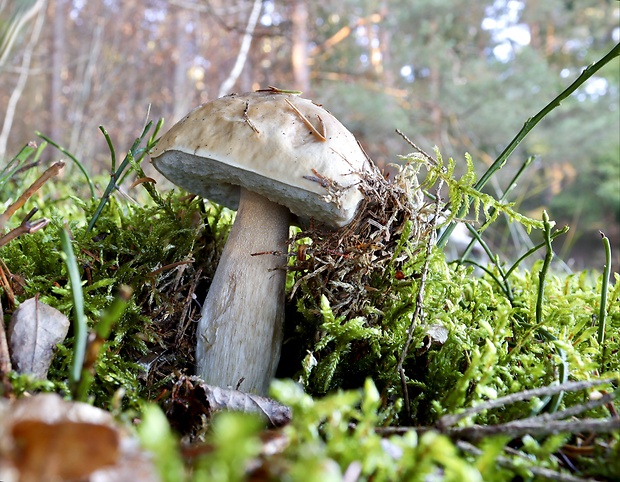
[270,143]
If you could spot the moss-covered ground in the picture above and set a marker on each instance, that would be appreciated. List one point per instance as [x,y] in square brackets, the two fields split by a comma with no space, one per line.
[430,371]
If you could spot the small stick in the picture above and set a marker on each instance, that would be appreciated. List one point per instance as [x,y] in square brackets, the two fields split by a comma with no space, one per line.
[305,120]
[52,171]
[448,420]
[273,253]
[247,119]
[274,90]
[320,179]
[170,266]
[4,282]
[419,149]
[323,129]
[26,227]
[418,313]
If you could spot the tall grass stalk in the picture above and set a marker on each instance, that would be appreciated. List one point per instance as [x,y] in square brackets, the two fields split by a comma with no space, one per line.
[527,127]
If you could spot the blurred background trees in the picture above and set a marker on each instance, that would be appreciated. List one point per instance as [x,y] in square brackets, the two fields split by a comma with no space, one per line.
[462,76]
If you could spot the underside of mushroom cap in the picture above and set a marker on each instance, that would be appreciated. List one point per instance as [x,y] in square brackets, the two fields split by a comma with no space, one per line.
[279,145]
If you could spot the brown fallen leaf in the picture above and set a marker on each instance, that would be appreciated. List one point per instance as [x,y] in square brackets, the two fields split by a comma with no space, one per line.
[47,438]
[220,399]
[34,332]
[191,398]
[65,450]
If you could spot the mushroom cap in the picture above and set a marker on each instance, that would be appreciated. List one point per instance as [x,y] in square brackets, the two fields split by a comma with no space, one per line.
[258,141]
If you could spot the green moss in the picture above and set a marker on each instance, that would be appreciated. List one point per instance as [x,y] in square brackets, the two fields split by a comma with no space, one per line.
[476,338]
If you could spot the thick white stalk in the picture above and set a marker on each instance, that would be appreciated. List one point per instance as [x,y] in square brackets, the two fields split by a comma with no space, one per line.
[240,331]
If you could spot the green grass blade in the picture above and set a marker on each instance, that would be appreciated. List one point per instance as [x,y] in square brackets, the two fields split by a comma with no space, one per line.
[110,146]
[80,327]
[80,166]
[115,176]
[527,127]
[602,316]
[14,164]
[563,368]
[532,250]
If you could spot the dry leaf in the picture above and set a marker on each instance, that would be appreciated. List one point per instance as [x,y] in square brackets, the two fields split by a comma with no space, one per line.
[192,398]
[436,335]
[34,332]
[65,450]
[47,438]
[219,399]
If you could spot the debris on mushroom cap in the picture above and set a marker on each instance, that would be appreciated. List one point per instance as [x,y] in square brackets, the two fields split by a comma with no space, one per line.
[351,266]
[282,146]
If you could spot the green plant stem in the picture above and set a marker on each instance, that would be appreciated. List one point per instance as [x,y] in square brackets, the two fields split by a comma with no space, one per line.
[588,72]
[516,264]
[542,275]
[602,316]
[91,186]
[511,185]
[555,401]
[80,328]
[16,163]
[504,284]
[110,146]
[114,312]
[134,153]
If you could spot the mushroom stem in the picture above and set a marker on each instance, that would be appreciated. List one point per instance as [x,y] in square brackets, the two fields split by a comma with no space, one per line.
[240,331]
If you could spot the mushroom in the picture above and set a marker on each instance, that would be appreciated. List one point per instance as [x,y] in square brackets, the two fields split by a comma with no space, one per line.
[267,154]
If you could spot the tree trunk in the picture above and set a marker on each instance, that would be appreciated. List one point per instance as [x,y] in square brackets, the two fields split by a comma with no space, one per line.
[57,55]
[299,49]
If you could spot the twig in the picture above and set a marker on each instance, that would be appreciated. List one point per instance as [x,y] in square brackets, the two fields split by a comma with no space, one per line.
[4,282]
[449,420]
[536,428]
[275,90]
[417,148]
[25,67]
[308,124]
[170,266]
[188,302]
[506,462]
[247,120]
[52,171]
[577,409]
[26,227]
[418,313]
